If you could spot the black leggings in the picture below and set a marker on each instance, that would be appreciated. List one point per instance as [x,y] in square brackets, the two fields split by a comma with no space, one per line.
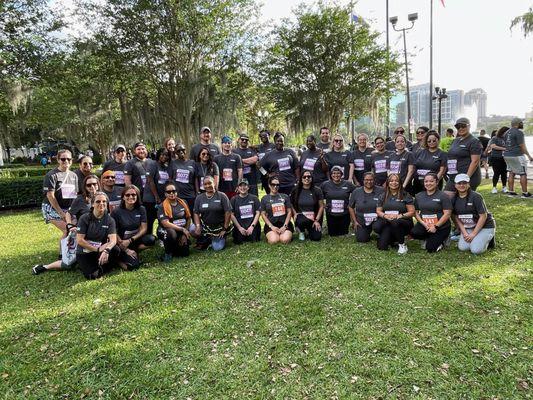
[254,237]
[172,242]
[88,263]
[392,231]
[433,240]
[499,166]
[133,262]
[338,224]
[151,216]
[305,224]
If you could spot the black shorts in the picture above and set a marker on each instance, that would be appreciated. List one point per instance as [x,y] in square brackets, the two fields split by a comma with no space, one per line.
[290,227]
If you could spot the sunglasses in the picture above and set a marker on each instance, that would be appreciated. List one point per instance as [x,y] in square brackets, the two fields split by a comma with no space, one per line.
[420,132]
[204,154]
[402,131]
[130,195]
[274,184]
[120,151]
[101,201]
[338,140]
[180,151]
[432,140]
[171,191]
[109,177]
[91,184]
[306,177]
[244,140]
[460,126]
[66,159]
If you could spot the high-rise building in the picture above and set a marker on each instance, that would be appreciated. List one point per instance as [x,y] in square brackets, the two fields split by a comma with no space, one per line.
[478,97]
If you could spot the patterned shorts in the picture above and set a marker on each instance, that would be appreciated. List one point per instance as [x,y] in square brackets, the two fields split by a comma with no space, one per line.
[49,213]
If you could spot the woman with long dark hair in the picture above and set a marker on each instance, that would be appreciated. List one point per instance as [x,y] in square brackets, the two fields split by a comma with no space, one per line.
[307,203]
[337,194]
[162,175]
[496,148]
[362,207]
[430,158]
[276,213]
[380,161]
[205,166]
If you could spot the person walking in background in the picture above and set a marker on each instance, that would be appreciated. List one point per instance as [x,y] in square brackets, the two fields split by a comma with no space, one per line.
[515,157]
[484,140]
[496,148]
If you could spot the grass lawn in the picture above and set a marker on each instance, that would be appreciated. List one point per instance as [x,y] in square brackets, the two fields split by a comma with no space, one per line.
[327,320]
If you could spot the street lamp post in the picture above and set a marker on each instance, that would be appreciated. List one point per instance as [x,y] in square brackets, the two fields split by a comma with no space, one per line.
[393,20]
[440,95]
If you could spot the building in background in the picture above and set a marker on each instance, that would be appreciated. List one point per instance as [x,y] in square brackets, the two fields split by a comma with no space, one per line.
[479,98]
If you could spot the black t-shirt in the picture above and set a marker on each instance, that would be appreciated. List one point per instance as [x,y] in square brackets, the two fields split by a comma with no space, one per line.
[162,175]
[79,207]
[395,205]
[96,230]
[114,197]
[310,161]
[337,196]
[112,165]
[484,140]
[416,148]
[399,163]
[307,202]
[63,184]
[365,204]
[467,209]
[244,209]
[128,222]
[324,146]
[212,210]
[498,141]
[460,152]
[183,173]
[136,169]
[228,165]
[283,163]
[341,159]
[248,171]
[391,145]
[201,171]
[426,162]
[276,207]
[179,214]
[380,165]
[151,168]
[362,161]
[81,177]
[431,207]
[263,149]
[197,148]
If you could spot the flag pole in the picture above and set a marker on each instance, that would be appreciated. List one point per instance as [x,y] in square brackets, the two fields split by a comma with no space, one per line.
[388,88]
[431,64]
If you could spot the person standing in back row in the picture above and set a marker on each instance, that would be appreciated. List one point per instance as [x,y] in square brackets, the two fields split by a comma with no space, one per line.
[183,174]
[283,163]
[496,160]
[249,162]
[313,160]
[205,143]
[324,143]
[515,156]
[264,148]
[117,164]
[230,168]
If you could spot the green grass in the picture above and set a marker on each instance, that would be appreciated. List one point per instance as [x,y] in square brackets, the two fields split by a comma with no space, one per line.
[334,319]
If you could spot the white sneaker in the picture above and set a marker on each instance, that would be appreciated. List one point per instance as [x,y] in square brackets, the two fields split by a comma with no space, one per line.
[402,248]
[494,190]
[423,245]
[301,236]
[504,189]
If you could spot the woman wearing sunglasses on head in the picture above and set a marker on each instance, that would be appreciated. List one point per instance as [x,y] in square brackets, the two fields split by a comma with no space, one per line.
[340,157]
[433,212]
[421,132]
[380,161]
[276,213]
[131,222]
[97,238]
[337,194]
[362,207]
[430,158]
[174,219]
[307,203]
[395,215]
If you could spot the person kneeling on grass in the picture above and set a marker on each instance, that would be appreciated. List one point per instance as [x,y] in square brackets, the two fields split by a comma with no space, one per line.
[433,211]
[174,219]
[131,221]
[212,217]
[97,238]
[472,218]
[308,207]
[276,212]
[245,217]
[362,207]
[395,212]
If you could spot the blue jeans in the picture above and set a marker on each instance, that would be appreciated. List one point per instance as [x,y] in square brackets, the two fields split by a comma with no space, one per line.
[218,243]
[479,244]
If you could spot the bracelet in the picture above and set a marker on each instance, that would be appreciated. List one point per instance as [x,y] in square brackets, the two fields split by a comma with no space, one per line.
[106,250]
[253,225]
[285,225]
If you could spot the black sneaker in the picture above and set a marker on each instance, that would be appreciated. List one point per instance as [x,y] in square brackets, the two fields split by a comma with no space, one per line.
[38,269]
[526,195]
[492,243]
[512,194]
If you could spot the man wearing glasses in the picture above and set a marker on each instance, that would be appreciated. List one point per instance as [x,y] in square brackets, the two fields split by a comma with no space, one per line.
[60,189]
[117,164]
[391,144]
[515,156]
[249,159]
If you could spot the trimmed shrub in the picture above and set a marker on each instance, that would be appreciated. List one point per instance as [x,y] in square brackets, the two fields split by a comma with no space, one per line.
[18,192]
[23,172]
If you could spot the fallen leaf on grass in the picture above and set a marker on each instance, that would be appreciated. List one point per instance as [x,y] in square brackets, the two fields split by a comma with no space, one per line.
[475,351]
[5,375]
[522,385]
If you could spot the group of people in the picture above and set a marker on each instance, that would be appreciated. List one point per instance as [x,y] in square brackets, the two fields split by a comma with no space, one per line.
[409,190]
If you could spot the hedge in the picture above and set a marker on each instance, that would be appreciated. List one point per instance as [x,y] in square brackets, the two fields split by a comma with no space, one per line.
[19,192]
[14,165]
[23,172]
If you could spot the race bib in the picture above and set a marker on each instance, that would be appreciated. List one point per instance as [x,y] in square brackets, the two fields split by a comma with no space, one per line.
[467,220]
[284,164]
[337,206]
[380,166]
[422,173]
[395,167]
[359,164]
[309,164]
[309,215]
[430,219]
[94,244]
[180,221]
[452,167]
[392,212]
[246,170]
[227,174]
[369,218]
[119,177]
[68,191]
[246,211]
[113,204]
[182,175]
[143,180]
[163,177]
[278,209]
[129,234]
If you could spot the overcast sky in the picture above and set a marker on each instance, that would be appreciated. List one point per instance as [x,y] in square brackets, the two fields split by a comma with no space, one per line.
[472,45]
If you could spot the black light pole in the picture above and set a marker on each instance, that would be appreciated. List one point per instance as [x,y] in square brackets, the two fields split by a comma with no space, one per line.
[441,94]
[431,65]
[388,58]
[393,20]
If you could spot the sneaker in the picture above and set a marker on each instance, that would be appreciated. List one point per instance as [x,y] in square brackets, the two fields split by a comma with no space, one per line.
[455,238]
[423,245]
[38,269]
[402,248]
[447,243]
[526,195]
[439,248]
[301,236]
[511,194]
[492,243]
[504,189]
[494,190]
